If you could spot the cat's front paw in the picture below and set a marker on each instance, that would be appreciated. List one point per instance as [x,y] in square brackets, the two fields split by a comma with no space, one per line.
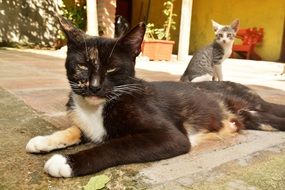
[38,144]
[57,166]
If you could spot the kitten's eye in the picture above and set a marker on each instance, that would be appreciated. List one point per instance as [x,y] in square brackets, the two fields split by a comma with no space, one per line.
[83,67]
[111,70]
[220,35]
[229,35]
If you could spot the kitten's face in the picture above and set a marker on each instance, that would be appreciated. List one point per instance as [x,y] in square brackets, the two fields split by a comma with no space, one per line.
[225,34]
[95,65]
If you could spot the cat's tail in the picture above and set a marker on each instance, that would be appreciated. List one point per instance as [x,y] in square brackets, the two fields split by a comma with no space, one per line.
[263,120]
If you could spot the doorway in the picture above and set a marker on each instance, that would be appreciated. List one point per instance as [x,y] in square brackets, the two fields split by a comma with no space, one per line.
[124,9]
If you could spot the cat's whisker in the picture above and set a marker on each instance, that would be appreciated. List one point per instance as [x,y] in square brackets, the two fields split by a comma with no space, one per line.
[71,82]
[135,90]
[130,87]
[75,87]
[109,99]
[124,91]
[129,90]
[112,96]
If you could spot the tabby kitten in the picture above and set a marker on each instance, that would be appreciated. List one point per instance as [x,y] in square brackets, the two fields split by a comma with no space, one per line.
[130,120]
[206,63]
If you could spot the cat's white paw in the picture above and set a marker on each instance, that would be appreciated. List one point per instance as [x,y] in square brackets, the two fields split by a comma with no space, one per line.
[57,166]
[38,144]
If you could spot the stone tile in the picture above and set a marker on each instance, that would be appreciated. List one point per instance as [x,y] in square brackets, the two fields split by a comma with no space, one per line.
[30,84]
[49,103]
[45,101]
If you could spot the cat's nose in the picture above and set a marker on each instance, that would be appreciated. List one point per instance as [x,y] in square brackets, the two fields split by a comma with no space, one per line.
[94,89]
[224,41]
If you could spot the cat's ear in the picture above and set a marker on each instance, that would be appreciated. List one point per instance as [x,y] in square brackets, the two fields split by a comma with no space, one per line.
[74,35]
[235,25]
[133,39]
[216,26]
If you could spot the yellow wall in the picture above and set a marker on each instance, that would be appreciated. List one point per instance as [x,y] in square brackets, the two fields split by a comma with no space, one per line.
[269,14]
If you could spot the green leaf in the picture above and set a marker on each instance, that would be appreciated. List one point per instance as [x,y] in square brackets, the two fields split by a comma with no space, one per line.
[167,3]
[160,36]
[97,182]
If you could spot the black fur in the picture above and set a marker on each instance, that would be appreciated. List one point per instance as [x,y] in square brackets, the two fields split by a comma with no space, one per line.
[245,102]
[146,121]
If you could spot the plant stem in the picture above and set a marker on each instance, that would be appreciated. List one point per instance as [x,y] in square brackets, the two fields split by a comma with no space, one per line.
[167,31]
[152,36]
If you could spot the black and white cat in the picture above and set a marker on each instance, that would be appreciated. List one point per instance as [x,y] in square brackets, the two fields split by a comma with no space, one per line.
[206,63]
[130,120]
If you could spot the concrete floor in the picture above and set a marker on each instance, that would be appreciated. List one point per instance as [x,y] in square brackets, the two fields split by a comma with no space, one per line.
[33,91]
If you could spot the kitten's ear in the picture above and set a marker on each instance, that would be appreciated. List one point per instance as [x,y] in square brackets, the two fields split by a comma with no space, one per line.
[216,26]
[74,35]
[235,25]
[133,39]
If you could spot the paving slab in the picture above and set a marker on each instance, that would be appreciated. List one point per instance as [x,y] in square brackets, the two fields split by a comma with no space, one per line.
[203,161]
[34,91]
[22,171]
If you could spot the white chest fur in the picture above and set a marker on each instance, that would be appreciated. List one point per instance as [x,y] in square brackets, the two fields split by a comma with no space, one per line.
[227,50]
[89,119]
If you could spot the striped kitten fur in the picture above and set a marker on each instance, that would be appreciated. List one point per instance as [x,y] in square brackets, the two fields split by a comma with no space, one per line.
[206,63]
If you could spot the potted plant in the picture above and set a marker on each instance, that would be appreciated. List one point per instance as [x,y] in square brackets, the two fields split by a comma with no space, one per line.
[157,44]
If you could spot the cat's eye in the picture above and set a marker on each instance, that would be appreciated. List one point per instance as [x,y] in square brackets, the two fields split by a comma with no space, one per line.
[229,35]
[111,70]
[220,35]
[82,84]
[83,67]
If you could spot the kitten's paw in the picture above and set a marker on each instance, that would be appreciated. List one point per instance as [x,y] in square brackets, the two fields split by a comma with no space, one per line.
[38,144]
[57,166]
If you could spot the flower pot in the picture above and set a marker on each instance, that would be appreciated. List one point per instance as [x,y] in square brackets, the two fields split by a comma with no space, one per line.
[157,49]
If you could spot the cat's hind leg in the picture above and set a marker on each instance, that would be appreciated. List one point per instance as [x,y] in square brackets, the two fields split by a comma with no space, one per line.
[275,109]
[57,140]
[202,137]
[230,127]
[264,121]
